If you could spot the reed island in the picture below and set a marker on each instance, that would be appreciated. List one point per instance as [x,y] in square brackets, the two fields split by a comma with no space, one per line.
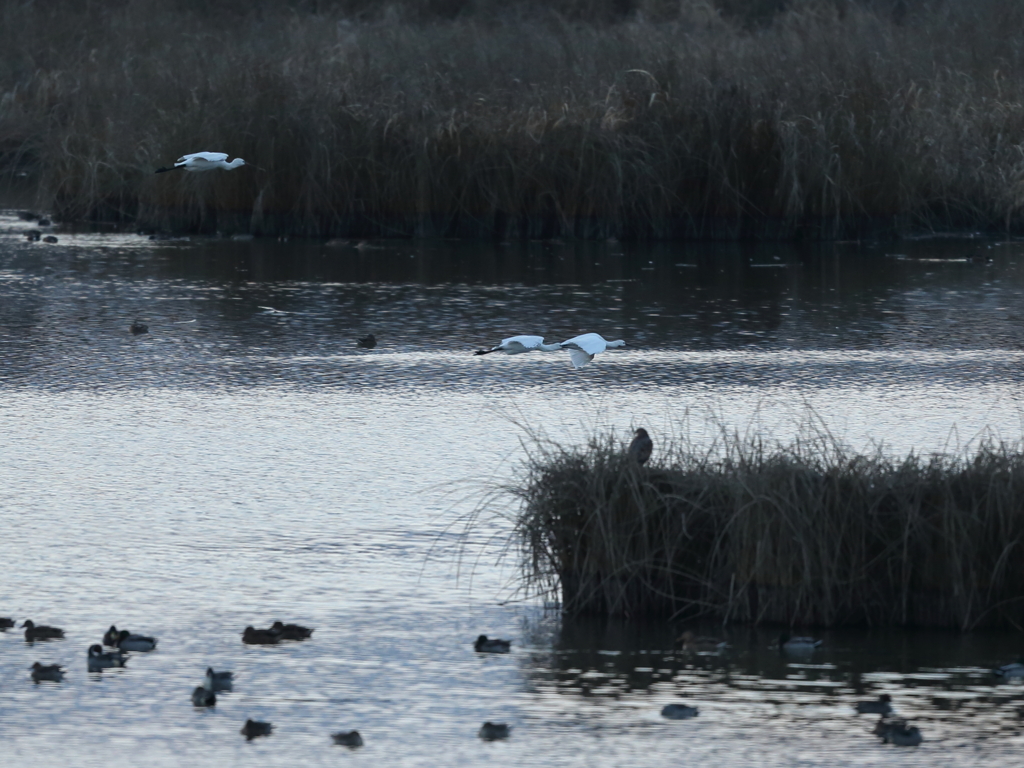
[805,533]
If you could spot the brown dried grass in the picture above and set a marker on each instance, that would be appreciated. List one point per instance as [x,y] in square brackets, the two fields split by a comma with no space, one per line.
[830,119]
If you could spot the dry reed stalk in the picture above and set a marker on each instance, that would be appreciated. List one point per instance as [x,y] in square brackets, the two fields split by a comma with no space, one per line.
[806,533]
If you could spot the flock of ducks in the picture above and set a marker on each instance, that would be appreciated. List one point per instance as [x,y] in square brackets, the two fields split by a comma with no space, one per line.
[205,695]
[890,730]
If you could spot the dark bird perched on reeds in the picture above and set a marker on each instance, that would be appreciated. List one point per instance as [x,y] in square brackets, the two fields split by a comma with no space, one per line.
[583,348]
[367,342]
[348,738]
[98,660]
[882,706]
[897,732]
[254,728]
[291,631]
[218,681]
[138,327]
[641,447]
[492,731]
[6,623]
[52,672]
[203,697]
[252,636]
[42,632]
[129,642]
[204,161]
[517,345]
[679,711]
[485,645]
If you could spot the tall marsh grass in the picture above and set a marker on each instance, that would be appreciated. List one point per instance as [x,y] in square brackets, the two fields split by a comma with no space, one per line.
[645,118]
[804,533]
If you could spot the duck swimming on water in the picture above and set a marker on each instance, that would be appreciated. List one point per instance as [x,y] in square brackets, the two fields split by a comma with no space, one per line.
[694,644]
[882,706]
[42,632]
[129,642]
[291,631]
[1010,671]
[255,728]
[897,732]
[798,645]
[98,660]
[492,731]
[679,711]
[348,738]
[202,697]
[52,672]
[253,636]
[485,645]
[218,681]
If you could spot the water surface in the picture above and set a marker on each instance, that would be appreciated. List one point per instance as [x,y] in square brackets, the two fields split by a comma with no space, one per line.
[244,461]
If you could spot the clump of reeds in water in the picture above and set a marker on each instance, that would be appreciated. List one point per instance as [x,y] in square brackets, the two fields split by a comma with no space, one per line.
[804,533]
[632,118]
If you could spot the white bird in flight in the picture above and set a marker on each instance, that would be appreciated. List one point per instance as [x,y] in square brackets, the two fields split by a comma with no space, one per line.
[204,161]
[516,345]
[583,348]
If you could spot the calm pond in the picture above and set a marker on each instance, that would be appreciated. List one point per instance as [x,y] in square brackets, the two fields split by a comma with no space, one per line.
[244,461]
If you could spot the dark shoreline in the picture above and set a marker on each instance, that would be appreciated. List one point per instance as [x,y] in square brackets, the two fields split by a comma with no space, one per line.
[822,121]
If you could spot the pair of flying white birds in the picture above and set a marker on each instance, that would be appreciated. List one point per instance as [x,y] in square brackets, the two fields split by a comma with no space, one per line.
[581,348]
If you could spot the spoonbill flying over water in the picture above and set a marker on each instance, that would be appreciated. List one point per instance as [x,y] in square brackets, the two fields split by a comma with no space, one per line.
[583,348]
[516,345]
[204,161]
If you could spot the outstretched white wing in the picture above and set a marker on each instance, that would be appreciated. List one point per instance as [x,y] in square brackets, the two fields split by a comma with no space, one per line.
[208,157]
[591,343]
[516,344]
[579,357]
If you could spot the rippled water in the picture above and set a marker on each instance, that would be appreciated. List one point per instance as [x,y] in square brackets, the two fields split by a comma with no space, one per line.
[239,464]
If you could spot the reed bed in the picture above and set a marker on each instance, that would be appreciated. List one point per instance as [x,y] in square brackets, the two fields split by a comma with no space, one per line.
[633,119]
[802,533]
